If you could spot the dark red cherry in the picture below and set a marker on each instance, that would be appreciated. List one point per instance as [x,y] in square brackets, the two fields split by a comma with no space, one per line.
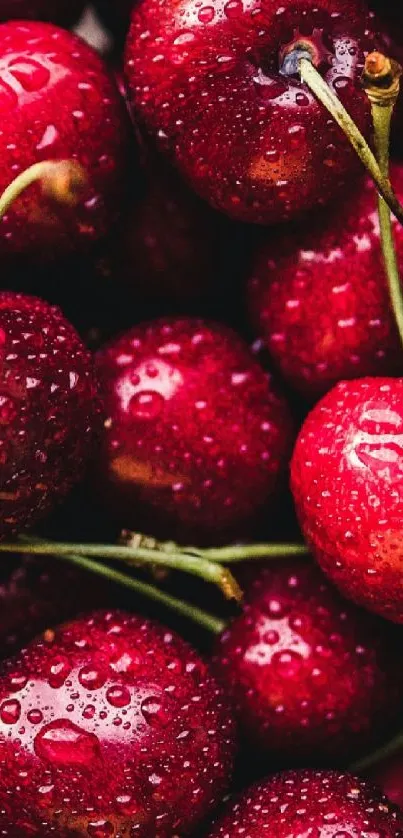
[346,478]
[61,11]
[215,84]
[110,726]
[57,101]
[318,296]
[47,409]
[388,775]
[195,436]
[310,804]
[314,679]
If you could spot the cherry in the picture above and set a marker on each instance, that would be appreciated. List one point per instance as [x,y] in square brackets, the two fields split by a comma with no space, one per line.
[64,11]
[346,477]
[195,436]
[388,775]
[318,296]
[324,804]
[217,85]
[57,97]
[47,409]
[313,678]
[111,725]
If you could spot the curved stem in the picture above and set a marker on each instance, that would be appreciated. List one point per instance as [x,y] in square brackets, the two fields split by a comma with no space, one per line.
[195,565]
[62,180]
[332,103]
[390,749]
[184,609]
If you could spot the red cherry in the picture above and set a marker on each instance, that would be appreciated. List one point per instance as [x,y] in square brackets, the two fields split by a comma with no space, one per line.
[47,409]
[319,297]
[388,775]
[347,478]
[321,804]
[63,11]
[213,85]
[195,435]
[57,101]
[313,678]
[111,725]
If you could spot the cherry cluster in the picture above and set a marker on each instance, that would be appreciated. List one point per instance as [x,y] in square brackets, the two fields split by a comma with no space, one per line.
[201,326]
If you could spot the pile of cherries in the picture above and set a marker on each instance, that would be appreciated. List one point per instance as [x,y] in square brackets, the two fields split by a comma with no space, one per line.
[228,376]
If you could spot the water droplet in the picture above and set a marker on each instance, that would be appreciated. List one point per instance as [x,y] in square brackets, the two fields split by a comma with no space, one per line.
[63,743]
[154,712]
[59,669]
[288,663]
[271,637]
[35,717]
[91,678]
[17,682]
[275,607]
[118,696]
[206,14]
[89,711]
[233,8]
[100,829]
[146,405]
[10,711]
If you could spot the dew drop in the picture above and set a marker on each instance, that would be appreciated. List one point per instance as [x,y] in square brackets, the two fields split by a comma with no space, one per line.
[118,696]
[35,717]
[59,669]
[10,711]
[100,829]
[91,678]
[154,712]
[206,14]
[288,663]
[146,405]
[62,743]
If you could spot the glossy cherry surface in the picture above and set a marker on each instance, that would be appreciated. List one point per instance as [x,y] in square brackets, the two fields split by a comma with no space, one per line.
[195,436]
[388,775]
[47,409]
[301,804]
[314,679]
[61,11]
[211,83]
[110,726]
[318,296]
[58,99]
[346,477]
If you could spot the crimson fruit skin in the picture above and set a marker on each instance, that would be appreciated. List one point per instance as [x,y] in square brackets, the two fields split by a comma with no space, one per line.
[195,436]
[110,726]
[48,409]
[318,296]
[324,804]
[59,12]
[313,678]
[205,80]
[59,99]
[346,474]
[388,775]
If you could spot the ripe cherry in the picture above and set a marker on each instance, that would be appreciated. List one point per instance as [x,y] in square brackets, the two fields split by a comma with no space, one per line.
[217,85]
[346,477]
[314,679]
[324,804]
[59,100]
[318,296]
[47,409]
[109,726]
[195,436]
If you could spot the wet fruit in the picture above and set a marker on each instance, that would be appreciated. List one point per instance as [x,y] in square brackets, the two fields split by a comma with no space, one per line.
[110,726]
[318,296]
[321,804]
[314,679]
[388,775]
[57,97]
[47,409]
[217,85]
[346,476]
[195,436]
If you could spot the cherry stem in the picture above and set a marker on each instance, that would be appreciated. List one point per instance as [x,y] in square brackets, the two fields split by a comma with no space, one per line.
[62,180]
[382,84]
[391,748]
[332,103]
[137,556]
[184,609]
[247,552]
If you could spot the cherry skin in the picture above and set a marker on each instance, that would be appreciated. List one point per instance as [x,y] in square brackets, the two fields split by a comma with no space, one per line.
[295,804]
[346,478]
[388,775]
[210,83]
[195,436]
[63,11]
[111,725]
[58,98]
[48,409]
[318,296]
[313,678]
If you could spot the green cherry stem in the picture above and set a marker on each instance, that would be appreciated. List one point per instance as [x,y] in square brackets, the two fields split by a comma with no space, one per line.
[332,103]
[137,556]
[390,749]
[382,84]
[230,554]
[179,606]
[61,180]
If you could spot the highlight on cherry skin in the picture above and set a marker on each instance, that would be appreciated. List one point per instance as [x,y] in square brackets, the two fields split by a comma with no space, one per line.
[205,78]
